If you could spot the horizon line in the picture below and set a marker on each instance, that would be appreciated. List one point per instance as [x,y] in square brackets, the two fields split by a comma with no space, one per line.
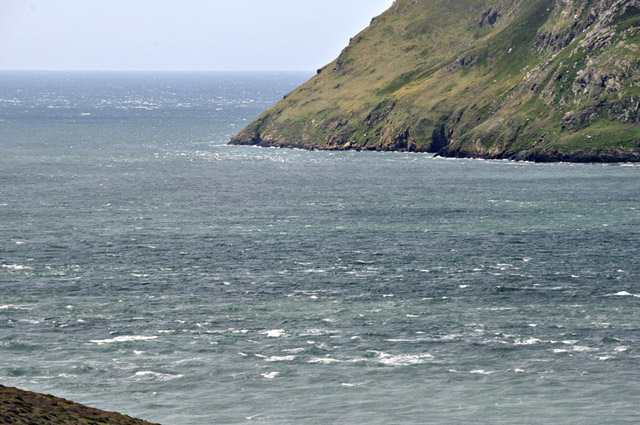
[163,70]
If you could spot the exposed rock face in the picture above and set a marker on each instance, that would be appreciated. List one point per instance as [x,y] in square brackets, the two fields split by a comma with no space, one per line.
[19,407]
[538,80]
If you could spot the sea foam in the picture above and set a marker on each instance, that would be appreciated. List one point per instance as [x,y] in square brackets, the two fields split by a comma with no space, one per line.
[127,338]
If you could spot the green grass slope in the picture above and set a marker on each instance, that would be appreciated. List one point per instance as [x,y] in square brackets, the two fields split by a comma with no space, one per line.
[18,407]
[542,80]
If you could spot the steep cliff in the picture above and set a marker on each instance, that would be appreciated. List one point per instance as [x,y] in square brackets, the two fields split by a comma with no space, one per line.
[541,80]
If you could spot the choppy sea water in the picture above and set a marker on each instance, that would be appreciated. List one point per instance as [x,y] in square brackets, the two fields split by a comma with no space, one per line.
[148,268]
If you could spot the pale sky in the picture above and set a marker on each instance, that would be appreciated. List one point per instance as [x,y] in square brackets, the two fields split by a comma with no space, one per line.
[179,35]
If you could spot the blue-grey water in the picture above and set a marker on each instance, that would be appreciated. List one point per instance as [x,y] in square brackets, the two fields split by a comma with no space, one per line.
[148,268]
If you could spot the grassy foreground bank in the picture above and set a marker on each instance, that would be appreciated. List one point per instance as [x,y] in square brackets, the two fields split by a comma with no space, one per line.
[19,407]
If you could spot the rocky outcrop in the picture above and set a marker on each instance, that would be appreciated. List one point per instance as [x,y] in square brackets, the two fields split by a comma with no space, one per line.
[537,80]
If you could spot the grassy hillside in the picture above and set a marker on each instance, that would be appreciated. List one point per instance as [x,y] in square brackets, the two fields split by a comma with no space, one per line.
[523,79]
[18,407]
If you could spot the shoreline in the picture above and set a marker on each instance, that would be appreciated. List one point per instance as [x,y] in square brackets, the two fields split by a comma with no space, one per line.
[536,156]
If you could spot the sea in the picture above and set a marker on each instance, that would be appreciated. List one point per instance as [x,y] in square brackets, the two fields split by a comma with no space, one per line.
[149,268]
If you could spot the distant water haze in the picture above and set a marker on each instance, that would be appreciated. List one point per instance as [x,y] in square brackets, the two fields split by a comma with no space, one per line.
[171,35]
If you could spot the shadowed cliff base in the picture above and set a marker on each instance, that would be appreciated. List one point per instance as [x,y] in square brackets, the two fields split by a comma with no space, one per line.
[539,80]
[19,407]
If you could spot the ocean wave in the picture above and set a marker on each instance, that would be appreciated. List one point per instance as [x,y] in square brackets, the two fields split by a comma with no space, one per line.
[273,359]
[527,341]
[13,307]
[275,333]
[402,359]
[480,372]
[151,375]
[624,294]
[324,360]
[127,338]
[16,267]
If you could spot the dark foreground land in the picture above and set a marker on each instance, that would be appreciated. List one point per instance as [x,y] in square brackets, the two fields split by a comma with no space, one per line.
[18,407]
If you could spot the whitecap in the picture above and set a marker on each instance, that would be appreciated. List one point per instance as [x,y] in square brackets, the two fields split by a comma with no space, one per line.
[402,359]
[450,337]
[315,271]
[12,307]
[274,333]
[582,349]
[148,374]
[294,350]
[315,332]
[280,359]
[480,372]
[323,360]
[16,267]
[126,338]
[402,340]
[620,294]
[527,341]
[270,375]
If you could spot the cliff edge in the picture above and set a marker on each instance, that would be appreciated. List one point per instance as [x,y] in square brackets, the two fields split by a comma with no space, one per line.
[542,80]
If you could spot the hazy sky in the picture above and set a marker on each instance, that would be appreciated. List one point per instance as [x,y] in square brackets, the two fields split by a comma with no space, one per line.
[219,35]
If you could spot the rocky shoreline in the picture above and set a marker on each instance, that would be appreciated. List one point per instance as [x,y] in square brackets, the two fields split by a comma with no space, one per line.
[541,156]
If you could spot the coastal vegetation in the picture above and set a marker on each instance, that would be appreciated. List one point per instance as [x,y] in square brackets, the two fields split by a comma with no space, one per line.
[18,407]
[542,80]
